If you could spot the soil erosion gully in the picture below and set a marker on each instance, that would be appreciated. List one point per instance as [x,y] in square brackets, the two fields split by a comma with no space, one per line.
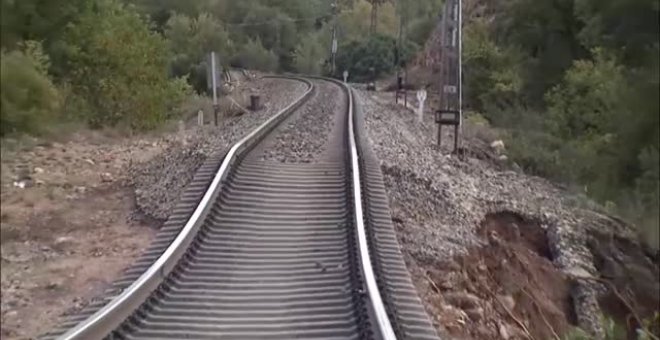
[265,249]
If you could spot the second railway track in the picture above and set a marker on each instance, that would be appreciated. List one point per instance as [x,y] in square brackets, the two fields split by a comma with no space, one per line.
[273,250]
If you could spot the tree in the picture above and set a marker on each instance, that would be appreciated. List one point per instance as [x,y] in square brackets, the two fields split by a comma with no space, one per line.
[120,67]
[190,40]
[29,100]
[309,55]
[38,20]
[254,55]
[274,29]
[362,57]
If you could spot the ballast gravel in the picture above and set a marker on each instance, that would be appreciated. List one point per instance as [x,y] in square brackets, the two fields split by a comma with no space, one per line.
[159,182]
[303,137]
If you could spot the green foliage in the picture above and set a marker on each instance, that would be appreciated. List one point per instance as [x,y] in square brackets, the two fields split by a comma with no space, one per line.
[575,84]
[120,68]
[309,55]
[29,99]
[371,57]
[253,55]
[583,104]
[493,78]
[40,20]
[190,40]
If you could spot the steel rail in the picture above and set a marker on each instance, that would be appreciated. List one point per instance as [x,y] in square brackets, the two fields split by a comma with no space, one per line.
[106,319]
[376,302]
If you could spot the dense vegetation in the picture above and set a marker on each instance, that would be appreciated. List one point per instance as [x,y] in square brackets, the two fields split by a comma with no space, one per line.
[130,62]
[575,84]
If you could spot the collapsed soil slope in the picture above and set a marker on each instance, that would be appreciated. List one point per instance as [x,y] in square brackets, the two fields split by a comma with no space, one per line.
[531,230]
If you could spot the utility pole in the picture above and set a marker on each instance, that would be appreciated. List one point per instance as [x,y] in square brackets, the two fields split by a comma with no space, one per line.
[333,52]
[374,15]
[403,21]
[401,73]
[450,112]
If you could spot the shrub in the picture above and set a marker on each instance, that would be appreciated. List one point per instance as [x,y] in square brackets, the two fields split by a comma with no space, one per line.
[376,53]
[309,55]
[29,98]
[120,67]
[255,56]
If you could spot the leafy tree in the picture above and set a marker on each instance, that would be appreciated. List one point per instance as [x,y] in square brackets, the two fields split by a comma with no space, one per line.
[493,79]
[547,32]
[254,55]
[310,55]
[120,68]
[361,58]
[39,20]
[29,99]
[191,39]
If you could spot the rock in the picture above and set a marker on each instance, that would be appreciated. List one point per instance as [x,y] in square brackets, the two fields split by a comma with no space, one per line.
[475,314]
[502,158]
[504,332]
[507,301]
[63,240]
[497,146]
[578,273]
[25,183]
[463,300]
[39,182]
[80,189]
[38,170]
[53,285]
[106,177]
[89,161]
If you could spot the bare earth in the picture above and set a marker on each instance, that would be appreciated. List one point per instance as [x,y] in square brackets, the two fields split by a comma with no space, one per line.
[69,233]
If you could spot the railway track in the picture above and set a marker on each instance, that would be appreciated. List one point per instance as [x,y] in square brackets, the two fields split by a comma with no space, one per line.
[264,249]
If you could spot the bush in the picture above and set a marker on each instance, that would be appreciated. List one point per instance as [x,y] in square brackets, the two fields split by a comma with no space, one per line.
[29,98]
[120,67]
[191,40]
[255,56]
[492,75]
[376,53]
[309,55]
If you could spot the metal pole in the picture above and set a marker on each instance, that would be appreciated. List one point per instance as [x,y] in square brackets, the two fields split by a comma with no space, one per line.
[334,36]
[460,72]
[215,88]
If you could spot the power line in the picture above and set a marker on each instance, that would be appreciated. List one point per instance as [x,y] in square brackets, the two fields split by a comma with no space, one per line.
[242,24]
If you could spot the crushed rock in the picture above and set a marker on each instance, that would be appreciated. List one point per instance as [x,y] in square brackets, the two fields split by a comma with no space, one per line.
[159,182]
[302,138]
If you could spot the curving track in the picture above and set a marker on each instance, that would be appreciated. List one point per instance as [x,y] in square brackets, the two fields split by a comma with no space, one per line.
[264,249]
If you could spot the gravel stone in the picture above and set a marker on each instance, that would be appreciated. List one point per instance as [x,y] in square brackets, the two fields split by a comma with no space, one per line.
[303,137]
[159,182]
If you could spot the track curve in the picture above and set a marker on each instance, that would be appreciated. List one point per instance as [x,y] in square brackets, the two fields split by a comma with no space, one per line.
[273,250]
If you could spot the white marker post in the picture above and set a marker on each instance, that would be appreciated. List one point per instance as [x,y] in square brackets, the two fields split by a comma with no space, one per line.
[200,118]
[215,88]
[421,97]
[345,74]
